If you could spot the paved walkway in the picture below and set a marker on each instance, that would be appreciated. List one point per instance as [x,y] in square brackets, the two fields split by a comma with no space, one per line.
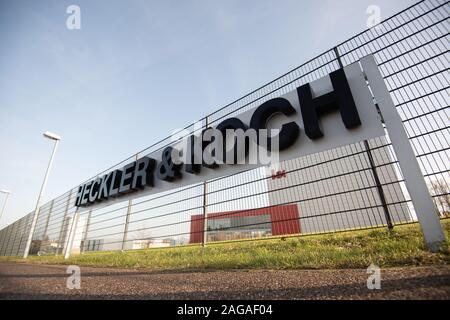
[31,281]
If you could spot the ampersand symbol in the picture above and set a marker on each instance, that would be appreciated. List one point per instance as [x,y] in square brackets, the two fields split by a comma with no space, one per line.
[167,170]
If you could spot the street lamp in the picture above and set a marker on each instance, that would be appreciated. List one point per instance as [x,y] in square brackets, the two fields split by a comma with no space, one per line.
[56,138]
[6,192]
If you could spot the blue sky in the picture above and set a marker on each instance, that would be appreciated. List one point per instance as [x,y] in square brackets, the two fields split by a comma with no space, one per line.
[136,71]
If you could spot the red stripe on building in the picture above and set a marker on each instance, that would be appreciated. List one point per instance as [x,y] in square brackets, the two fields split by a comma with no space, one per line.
[284,220]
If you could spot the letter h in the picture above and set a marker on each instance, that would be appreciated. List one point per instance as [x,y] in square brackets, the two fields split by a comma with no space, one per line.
[339,99]
[79,196]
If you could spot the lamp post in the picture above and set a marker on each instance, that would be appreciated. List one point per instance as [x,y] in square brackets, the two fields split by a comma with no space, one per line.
[55,138]
[6,192]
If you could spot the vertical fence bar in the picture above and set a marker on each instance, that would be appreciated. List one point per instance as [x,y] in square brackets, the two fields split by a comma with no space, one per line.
[205,215]
[205,203]
[127,219]
[11,239]
[15,229]
[71,236]
[2,240]
[66,210]
[48,218]
[25,229]
[5,250]
[2,244]
[21,223]
[379,187]
[83,242]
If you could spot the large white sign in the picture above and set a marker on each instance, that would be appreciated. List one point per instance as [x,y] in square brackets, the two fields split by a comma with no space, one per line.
[333,111]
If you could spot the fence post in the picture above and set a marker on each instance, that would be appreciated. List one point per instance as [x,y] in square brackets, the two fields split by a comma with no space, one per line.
[9,239]
[127,219]
[380,190]
[66,210]
[205,215]
[25,232]
[414,180]
[68,233]
[14,231]
[48,218]
[205,204]
[72,232]
[379,187]
[2,239]
[21,222]
[86,232]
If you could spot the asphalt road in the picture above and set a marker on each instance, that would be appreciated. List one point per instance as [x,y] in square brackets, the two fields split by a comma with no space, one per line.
[30,281]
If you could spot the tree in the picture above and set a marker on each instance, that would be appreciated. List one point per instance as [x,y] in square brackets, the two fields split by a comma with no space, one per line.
[441,196]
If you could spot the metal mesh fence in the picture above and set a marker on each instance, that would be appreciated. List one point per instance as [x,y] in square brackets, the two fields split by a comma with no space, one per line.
[353,187]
